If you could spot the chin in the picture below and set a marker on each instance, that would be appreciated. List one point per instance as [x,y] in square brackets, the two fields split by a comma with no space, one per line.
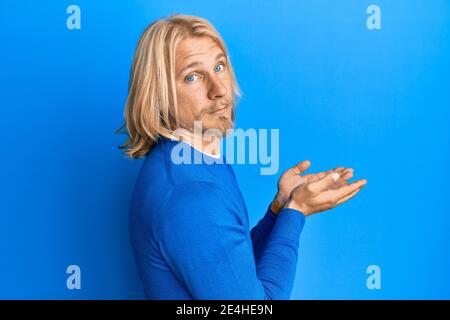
[225,123]
[220,125]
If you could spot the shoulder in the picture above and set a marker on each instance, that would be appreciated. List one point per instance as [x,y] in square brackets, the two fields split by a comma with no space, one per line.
[170,193]
[170,156]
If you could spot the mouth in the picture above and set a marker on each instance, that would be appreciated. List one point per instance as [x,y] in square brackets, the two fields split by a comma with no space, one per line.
[222,110]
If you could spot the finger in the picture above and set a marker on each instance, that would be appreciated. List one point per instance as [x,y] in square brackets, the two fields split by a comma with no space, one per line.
[342,192]
[316,176]
[324,183]
[338,169]
[324,173]
[346,174]
[351,195]
[338,185]
[301,167]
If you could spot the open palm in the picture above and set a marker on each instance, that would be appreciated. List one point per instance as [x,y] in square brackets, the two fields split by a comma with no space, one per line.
[292,178]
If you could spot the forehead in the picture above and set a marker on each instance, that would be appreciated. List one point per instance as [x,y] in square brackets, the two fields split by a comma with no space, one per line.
[196,49]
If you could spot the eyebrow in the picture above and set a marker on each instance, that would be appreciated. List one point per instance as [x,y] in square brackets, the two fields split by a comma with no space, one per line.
[196,63]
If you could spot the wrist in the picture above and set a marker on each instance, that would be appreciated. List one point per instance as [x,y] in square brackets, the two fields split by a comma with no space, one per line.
[291,204]
[277,204]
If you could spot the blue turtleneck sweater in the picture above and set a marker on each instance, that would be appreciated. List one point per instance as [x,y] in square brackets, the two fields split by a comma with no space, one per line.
[190,232]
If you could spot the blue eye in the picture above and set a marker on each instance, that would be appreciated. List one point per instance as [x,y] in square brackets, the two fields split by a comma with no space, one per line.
[191,78]
[218,68]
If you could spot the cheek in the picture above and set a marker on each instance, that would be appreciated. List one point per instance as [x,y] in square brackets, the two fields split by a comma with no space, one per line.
[191,100]
[227,82]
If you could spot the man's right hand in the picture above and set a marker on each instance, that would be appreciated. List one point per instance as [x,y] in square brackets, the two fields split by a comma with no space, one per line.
[323,194]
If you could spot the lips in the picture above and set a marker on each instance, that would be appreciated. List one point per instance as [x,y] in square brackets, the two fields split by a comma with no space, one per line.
[220,110]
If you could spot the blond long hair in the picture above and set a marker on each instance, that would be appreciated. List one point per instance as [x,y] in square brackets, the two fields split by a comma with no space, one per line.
[151,109]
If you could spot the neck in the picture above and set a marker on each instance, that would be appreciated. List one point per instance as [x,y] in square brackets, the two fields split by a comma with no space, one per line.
[209,144]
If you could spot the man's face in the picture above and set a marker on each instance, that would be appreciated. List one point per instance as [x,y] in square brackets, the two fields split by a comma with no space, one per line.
[203,82]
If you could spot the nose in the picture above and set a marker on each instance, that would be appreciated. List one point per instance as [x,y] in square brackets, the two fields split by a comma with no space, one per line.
[217,89]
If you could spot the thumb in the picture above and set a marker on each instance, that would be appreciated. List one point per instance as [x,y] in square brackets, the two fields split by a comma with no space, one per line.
[324,183]
[301,167]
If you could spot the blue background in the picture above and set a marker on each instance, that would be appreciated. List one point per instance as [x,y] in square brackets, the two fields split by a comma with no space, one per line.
[341,94]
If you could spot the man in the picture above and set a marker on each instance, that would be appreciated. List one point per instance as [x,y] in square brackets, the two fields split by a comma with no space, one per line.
[188,222]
